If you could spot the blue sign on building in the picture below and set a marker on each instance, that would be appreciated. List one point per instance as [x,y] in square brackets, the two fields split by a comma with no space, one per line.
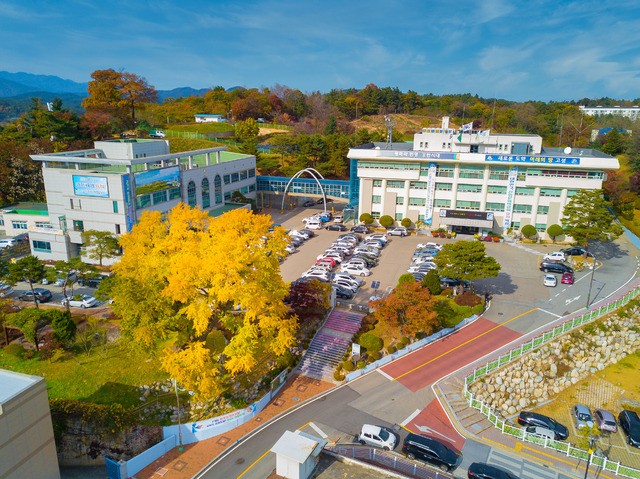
[533,159]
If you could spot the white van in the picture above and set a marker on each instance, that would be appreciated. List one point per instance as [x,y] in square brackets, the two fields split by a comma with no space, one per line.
[314,225]
[542,432]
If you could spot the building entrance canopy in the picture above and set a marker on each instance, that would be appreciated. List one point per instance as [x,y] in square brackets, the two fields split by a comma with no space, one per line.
[478,219]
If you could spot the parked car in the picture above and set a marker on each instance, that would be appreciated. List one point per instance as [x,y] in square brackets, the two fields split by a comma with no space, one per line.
[377,436]
[314,225]
[290,248]
[336,227]
[321,201]
[605,420]
[324,259]
[352,269]
[567,278]
[42,295]
[555,267]
[424,267]
[346,284]
[427,258]
[5,290]
[401,231]
[479,470]
[453,283]
[430,245]
[582,416]
[70,278]
[555,256]
[430,450]
[576,251]
[308,203]
[364,255]
[550,280]
[384,238]
[342,292]
[528,418]
[308,232]
[320,274]
[91,282]
[361,229]
[338,219]
[85,301]
[362,262]
[418,276]
[542,432]
[629,422]
[353,279]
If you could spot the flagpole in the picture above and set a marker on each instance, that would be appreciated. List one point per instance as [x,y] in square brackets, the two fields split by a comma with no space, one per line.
[493,114]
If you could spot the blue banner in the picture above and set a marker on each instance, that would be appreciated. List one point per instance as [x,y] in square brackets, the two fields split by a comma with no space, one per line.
[90,186]
[418,154]
[128,202]
[533,159]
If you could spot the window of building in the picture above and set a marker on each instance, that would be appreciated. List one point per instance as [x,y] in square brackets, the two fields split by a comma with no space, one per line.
[525,191]
[395,184]
[115,206]
[75,204]
[191,194]
[227,196]
[252,172]
[43,224]
[244,190]
[522,174]
[571,193]
[543,210]
[468,205]
[399,200]
[466,188]
[515,225]
[19,225]
[495,207]
[227,179]
[78,225]
[375,215]
[217,186]
[550,192]
[398,216]
[541,227]
[473,149]
[174,193]
[469,171]
[420,217]
[1,221]
[444,171]
[235,177]
[498,173]
[143,201]
[117,229]
[377,183]
[252,187]
[417,201]
[497,189]
[444,186]
[159,197]
[418,185]
[206,197]
[376,199]
[522,208]
[444,145]
[244,175]
[42,246]
[442,203]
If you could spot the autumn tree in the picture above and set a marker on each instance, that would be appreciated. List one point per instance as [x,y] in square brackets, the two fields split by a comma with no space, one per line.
[410,307]
[227,278]
[28,321]
[309,297]
[100,245]
[29,269]
[246,130]
[586,217]
[118,94]
[466,261]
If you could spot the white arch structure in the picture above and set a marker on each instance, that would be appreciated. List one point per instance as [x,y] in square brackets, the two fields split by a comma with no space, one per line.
[312,172]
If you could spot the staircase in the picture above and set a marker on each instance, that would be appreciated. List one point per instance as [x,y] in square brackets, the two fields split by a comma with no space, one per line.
[329,345]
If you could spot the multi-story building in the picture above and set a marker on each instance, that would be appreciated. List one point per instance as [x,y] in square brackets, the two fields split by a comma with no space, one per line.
[472,181]
[628,112]
[109,187]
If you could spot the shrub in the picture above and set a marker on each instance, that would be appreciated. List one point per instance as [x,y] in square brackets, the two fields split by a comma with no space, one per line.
[467,299]
[554,231]
[285,361]
[386,221]
[529,231]
[16,350]
[339,367]
[347,365]
[360,365]
[400,345]
[419,335]
[445,314]
[375,355]
[371,342]
[406,222]
[406,278]
[366,218]
[391,349]
[404,340]
[448,292]
[338,376]
[28,355]
[431,281]
[63,327]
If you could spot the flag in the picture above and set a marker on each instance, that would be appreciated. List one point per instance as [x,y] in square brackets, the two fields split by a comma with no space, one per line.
[49,106]
[467,126]
[459,137]
[484,133]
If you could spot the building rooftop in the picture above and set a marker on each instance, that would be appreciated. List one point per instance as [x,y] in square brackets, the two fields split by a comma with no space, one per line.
[25,209]
[14,383]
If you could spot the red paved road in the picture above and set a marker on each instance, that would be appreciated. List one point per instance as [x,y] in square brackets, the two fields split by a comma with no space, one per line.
[424,367]
[435,423]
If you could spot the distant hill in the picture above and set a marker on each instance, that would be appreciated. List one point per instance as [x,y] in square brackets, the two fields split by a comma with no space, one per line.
[182,92]
[12,84]
[16,106]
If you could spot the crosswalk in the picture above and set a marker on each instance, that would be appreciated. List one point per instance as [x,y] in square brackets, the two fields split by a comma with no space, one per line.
[522,469]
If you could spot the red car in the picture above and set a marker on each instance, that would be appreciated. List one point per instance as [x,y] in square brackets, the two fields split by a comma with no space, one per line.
[567,278]
[327,260]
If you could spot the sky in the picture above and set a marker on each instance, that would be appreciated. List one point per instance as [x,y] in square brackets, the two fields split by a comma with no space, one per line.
[517,50]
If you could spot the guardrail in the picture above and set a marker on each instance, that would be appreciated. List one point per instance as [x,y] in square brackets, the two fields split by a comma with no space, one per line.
[505,428]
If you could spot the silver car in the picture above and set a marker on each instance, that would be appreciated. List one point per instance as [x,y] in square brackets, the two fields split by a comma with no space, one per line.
[582,416]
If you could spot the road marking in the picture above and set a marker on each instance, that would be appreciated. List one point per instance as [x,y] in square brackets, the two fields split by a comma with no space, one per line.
[520,446]
[569,301]
[432,431]
[549,312]
[384,374]
[464,344]
[410,418]
[254,463]
[318,430]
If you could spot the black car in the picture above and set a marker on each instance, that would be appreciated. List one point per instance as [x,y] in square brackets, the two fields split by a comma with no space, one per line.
[361,229]
[308,232]
[336,227]
[555,267]
[342,292]
[478,470]
[453,283]
[309,203]
[368,263]
[527,418]
[430,450]
[321,201]
[367,256]
[575,251]
[42,295]
[91,282]
[418,276]
[629,422]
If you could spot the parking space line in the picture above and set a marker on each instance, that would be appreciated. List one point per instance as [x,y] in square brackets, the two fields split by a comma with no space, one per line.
[410,418]
[549,312]
[318,430]
[384,374]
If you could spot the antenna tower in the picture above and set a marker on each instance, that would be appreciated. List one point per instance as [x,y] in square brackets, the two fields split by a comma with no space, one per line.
[389,123]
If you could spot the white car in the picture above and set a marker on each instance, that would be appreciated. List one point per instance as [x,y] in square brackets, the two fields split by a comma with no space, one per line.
[555,256]
[348,277]
[7,243]
[377,436]
[430,244]
[290,248]
[423,259]
[337,258]
[84,302]
[378,236]
[414,268]
[338,219]
[401,231]
[355,270]
[323,266]
[550,280]
[347,285]
[314,225]
[5,291]
[320,274]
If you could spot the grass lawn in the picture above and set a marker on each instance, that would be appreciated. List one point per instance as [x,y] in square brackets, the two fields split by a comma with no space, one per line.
[92,378]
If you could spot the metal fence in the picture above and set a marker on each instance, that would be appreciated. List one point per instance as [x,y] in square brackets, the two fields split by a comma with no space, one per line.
[505,428]
[386,460]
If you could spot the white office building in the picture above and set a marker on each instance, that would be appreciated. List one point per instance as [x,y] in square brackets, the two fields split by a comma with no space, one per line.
[109,187]
[632,112]
[471,181]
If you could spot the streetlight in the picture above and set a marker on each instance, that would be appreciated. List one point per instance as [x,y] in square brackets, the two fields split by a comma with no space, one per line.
[175,385]
[593,271]
[590,426]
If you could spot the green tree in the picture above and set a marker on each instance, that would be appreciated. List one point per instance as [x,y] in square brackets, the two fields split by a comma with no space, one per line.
[29,269]
[246,130]
[332,126]
[63,326]
[406,222]
[366,218]
[587,218]
[554,231]
[282,145]
[386,221]
[613,145]
[432,282]
[100,245]
[406,278]
[28,321]
[466,260]
[529,231]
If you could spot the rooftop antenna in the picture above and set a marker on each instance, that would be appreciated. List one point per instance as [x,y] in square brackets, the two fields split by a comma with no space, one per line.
[389,123]
[493,113]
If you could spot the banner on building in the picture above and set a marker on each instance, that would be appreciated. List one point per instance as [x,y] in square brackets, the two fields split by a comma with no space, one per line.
[431,188]
[511,192]
[90,186]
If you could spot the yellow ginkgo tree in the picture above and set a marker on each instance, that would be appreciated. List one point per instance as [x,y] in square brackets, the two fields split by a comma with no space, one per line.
[187,274]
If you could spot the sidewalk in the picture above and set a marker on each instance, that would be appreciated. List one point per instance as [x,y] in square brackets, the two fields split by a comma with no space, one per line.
[185,464]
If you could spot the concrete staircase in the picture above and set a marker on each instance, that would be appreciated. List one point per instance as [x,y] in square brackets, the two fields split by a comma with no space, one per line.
[452,391]
[329,345]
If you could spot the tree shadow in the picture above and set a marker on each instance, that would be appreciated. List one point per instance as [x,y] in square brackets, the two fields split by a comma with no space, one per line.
[112,392]
[496,286]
